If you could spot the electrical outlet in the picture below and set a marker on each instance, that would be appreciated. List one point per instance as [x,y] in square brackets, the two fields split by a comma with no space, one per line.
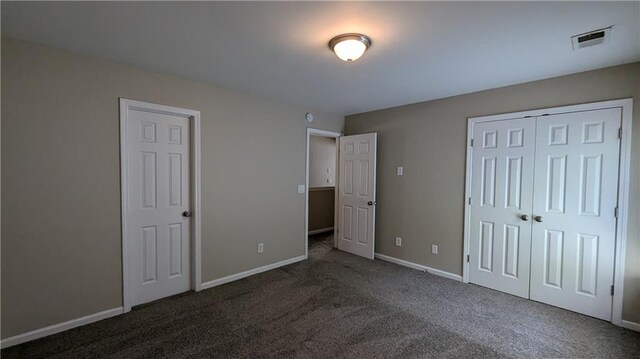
[301,188]
[398,241]
[434,249]
[399,170]
[260,247]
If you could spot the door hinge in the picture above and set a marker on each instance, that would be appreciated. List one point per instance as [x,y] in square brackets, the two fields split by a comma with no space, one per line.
[472,142]
[469,201]
[612,289]
[468,257]
[615,212]
[620,133]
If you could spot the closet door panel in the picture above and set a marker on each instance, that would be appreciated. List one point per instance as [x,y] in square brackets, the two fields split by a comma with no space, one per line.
[502,187]
[575,195]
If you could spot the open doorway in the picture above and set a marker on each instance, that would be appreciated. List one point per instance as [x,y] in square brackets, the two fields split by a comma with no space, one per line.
[322,168]
[343,167]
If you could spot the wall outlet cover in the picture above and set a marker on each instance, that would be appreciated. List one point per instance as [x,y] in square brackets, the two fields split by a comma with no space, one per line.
[398,241]
[434,249]
[301,188]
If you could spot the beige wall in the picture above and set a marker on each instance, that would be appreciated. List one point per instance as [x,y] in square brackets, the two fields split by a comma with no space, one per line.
[61,244]
[426,205]
[321,208]
[322,156]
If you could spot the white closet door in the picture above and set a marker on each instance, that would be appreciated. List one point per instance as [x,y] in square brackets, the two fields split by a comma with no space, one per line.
[159,246]
[357,186]
[575,196]
[502,188]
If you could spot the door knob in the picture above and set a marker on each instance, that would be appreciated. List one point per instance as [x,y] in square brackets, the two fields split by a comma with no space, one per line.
[186,214]
[371,203]
[538,218]
[524,217]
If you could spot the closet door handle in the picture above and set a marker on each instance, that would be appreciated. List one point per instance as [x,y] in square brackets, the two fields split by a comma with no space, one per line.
[538,218]
[524,217]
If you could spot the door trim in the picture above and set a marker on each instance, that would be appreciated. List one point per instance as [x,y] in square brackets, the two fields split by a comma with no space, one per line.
[320,133]
[195,170]
[623,185]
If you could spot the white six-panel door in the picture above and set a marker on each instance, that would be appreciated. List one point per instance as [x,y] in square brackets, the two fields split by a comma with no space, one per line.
[543,212]
[501,205]
[158,190]
[575,196]
[357,194]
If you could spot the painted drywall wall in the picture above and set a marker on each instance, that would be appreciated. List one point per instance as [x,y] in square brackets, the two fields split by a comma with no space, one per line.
[321,208]
[426,205]
[61,243]
[322,161]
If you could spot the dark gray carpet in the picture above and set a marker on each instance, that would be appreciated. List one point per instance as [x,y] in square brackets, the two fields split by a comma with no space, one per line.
[336,305]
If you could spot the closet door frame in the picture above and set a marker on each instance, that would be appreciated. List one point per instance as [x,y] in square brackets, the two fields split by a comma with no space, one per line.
[626,105]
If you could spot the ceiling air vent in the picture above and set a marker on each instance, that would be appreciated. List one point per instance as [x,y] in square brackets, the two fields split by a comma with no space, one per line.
[591,38]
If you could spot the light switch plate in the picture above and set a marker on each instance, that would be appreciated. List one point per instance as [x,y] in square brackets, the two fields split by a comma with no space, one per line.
[300,188]
[260,247]
[399,170]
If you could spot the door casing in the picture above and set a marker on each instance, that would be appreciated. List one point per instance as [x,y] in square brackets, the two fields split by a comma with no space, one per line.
[626,105]
[127,105]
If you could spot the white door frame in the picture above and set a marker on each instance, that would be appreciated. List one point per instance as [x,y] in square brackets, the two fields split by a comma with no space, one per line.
[330,134]
[623,186]
[194,116]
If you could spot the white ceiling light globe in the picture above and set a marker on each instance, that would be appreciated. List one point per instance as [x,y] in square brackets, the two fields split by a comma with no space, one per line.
[349,50]
[349,47]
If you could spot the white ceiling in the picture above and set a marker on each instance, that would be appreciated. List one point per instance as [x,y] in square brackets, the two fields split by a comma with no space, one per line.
[420,51]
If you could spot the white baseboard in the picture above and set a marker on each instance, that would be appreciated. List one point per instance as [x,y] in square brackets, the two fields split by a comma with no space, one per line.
[60,327]
[234,277]
[321,230]
[631,325]
[419,267]
[74,323]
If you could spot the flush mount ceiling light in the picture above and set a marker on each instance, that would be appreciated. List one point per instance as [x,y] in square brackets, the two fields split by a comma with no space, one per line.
[350,47]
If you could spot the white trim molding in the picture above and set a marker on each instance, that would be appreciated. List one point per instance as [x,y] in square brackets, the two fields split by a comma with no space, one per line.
[321,230]
[319,189]
[419,267]
[320,133]
[630,325]
[623,212]
[623,185]
[127,105]
[60,327]
[241,275]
